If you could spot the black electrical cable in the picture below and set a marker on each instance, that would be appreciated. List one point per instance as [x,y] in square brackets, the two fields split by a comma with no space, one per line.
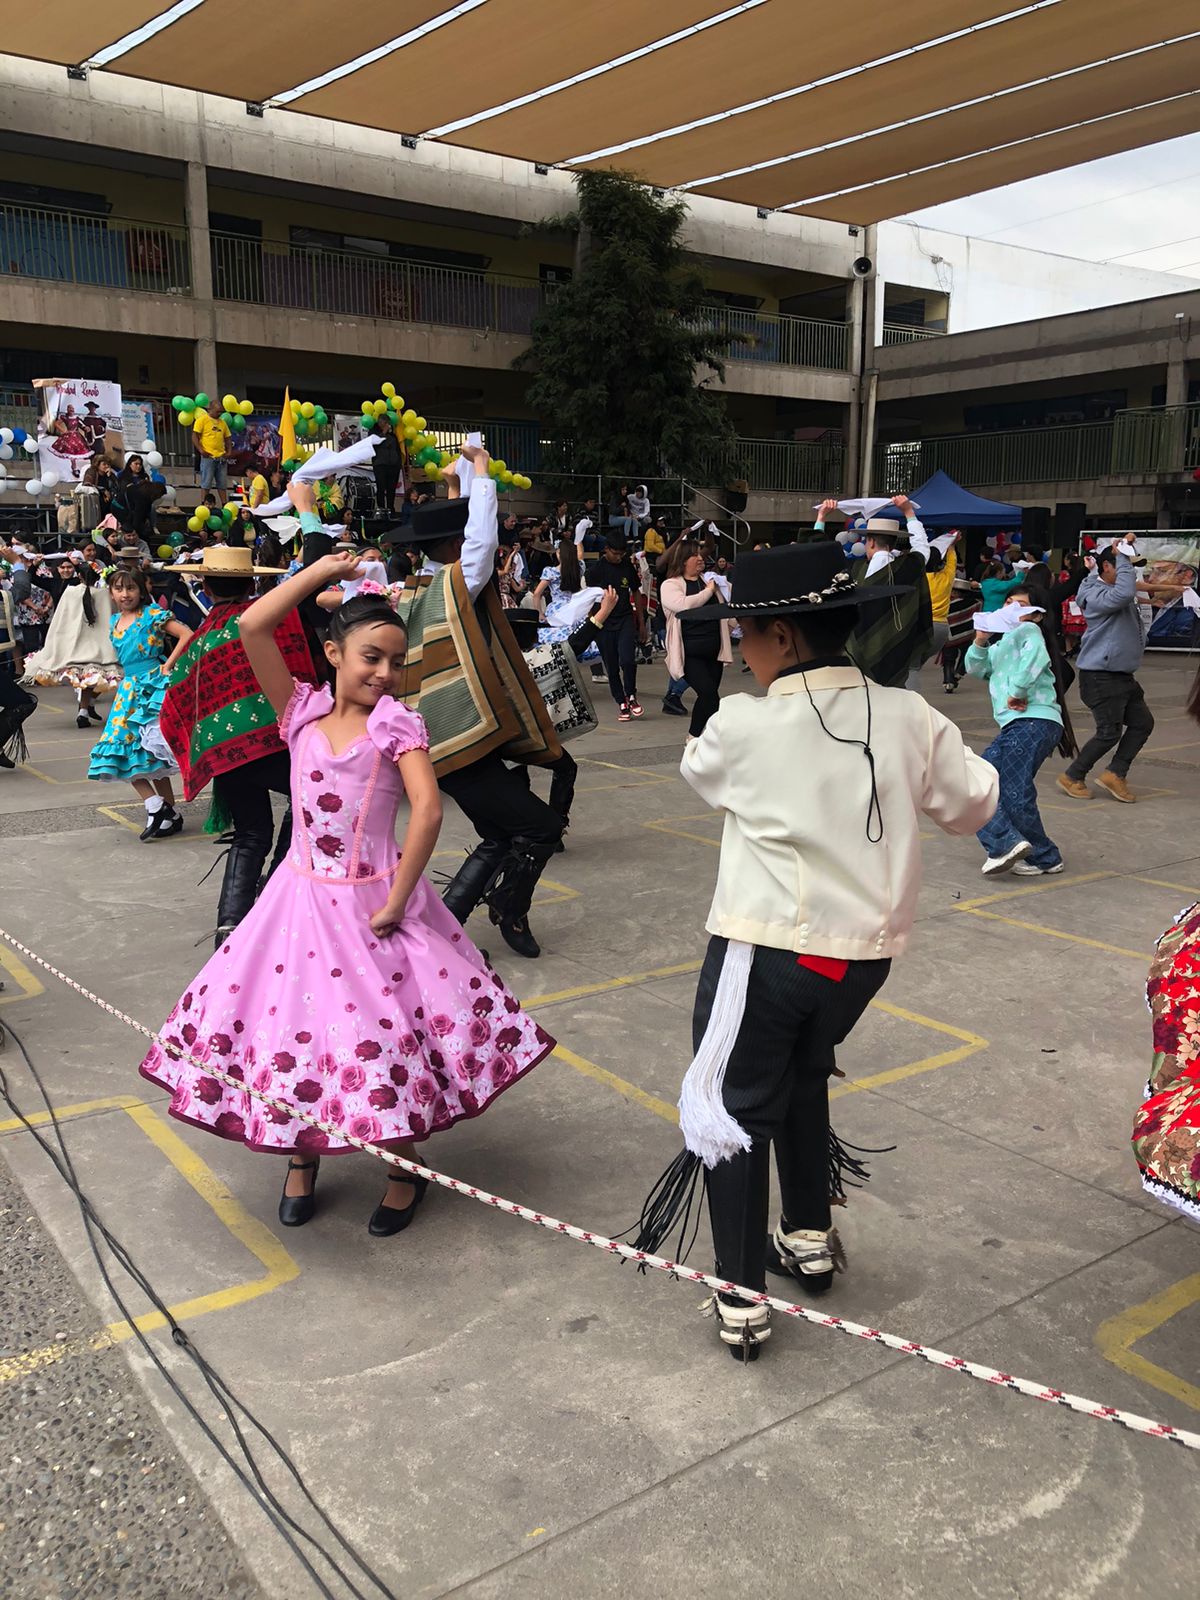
[229,1403]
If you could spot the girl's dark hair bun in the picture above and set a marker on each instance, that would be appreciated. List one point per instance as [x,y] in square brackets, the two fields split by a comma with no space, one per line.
[363,611]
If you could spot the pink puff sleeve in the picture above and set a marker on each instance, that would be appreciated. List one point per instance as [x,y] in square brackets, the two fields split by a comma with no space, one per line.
[395,730]
[306,705]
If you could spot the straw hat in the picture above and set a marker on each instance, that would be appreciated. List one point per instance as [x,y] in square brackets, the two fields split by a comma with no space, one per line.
[224,561]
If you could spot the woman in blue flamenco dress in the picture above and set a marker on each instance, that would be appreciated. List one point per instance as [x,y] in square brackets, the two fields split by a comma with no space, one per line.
[132,749]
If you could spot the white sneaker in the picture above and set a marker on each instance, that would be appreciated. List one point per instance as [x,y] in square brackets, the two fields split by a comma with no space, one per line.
[1026,869]
[743,1328]
[994,865]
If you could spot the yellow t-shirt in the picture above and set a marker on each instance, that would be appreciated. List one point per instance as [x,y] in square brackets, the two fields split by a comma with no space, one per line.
[211,434]
[940,585]
[653,544]
[259,490]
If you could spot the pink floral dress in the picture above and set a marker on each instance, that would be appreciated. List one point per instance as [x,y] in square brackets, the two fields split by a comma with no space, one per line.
[389,1039]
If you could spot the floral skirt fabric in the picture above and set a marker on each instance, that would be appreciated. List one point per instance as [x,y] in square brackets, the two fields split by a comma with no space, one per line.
[1166,1131]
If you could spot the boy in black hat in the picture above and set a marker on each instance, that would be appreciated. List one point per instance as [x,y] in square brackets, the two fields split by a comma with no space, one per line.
[823,782]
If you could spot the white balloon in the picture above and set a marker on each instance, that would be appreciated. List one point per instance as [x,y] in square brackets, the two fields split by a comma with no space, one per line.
[6,452]
[858,550]
[49,479]
[146,444]
[7,435]
[31,446]
[34,487]
[153,460]
[170,492]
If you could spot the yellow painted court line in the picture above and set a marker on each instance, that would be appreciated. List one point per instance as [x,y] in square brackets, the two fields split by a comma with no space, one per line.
[247,1230]
[682,833]
[1116,1337]
[641,783]
[21,975]
[608,985]
[1163,883]
[1042,887]
[1152,750]
[115,815]
[1057,933]
[628,1091]
[619,766]
[36,772]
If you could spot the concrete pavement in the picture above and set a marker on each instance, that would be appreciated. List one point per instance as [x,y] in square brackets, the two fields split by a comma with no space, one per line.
[493,1412]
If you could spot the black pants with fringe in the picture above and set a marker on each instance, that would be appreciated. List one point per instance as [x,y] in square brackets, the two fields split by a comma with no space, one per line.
[777,1087]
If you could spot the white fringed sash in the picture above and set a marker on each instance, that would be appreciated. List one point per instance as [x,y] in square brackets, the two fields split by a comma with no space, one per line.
[708,1130]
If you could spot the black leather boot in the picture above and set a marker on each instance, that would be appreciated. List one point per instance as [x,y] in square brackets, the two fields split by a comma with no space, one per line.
[473,881]
[512,895]
[239,886]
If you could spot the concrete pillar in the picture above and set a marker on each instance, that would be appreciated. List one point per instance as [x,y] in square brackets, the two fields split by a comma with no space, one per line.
[1177,375]
[855,302]
[200,257]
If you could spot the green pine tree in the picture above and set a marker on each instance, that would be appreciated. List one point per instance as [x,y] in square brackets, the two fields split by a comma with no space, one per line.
[615,354]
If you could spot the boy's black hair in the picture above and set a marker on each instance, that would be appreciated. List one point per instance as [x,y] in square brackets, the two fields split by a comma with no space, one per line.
[229,588]
[1106,557]
[824,632]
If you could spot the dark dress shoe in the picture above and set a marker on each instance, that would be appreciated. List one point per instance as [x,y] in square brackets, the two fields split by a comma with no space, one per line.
[297,1209]
[387,1220]
[518,936]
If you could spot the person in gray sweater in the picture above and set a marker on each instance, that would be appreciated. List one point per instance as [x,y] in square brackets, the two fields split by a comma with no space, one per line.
[1110,653]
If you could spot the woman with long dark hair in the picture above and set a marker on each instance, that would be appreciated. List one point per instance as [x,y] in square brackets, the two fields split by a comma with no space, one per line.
[699,646]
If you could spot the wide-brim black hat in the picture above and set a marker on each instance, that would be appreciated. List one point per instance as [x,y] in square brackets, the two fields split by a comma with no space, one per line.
[793,578]
[434,521]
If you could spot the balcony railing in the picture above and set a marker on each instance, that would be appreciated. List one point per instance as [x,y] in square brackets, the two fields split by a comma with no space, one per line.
[780,340]
[790,466]
[1165,439]
[304,278]
[105,252]
[901,333]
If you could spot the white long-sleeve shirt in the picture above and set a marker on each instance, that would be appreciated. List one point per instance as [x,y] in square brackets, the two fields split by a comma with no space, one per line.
[797,870]
[481,538]
[918,540]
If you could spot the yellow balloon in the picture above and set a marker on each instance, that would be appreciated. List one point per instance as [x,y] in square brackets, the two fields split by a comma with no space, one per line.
[432,470]
[387,390]
[411,435]
[445,458]
[295,408]
[419,424]
[229,402]
[398,402]
[192,525]
[409,419]
[186,418]
[308,410]
[522,482]
[501,467]
[203,513]
[165,552]
[508,477]
[312,426]
[247,408]
[380,408]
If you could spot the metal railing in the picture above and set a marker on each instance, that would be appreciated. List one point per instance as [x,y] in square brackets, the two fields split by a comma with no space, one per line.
[779,340]
[1018,455]
[311,278]
[1163,439]
[106,252]
[790,466]
[901,333]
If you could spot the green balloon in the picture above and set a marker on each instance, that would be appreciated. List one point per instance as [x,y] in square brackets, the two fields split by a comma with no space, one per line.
[198,404]
[226,517]
[321,416]
[180,402]
[227,418]
[175,539]
[238,423]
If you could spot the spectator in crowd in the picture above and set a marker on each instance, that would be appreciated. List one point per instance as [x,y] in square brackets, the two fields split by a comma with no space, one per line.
[386,463]
[619,513]
[560,522]
[211,438]
[618,636]
[639,505]
[699,645]
[135,495]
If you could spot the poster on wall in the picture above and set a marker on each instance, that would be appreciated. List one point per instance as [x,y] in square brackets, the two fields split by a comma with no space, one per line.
[347,429]
[1172,558]
[137,416]
[256,448]
[79,418]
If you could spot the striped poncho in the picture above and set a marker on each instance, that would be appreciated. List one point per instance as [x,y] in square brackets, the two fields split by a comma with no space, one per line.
[215,717]
[894,634]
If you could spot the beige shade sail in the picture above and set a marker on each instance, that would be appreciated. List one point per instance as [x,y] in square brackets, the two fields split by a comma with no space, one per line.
[227,47]
[1072,34]
[766,51]
[1095,93]
[730,54]
[1032,157]
[504,49]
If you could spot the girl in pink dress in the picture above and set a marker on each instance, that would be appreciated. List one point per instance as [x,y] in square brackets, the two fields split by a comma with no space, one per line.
[349,991]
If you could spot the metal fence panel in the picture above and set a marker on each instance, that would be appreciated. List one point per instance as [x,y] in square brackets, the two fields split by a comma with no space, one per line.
[778,339]
[105,252]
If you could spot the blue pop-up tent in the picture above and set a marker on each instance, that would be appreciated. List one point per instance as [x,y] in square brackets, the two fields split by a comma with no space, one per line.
[942,503]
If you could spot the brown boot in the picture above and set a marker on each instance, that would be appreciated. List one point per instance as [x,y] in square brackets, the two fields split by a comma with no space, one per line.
[1075,787]
[1117,787]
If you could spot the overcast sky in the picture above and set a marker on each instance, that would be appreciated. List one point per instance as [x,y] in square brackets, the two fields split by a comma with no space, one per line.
[1141,209]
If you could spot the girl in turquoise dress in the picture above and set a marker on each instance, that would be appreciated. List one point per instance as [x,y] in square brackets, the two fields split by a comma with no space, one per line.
[132,749]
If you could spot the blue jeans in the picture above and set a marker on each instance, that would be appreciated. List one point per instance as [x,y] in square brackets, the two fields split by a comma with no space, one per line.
[677,687]
[213,473]
[1017,752]
[629,524]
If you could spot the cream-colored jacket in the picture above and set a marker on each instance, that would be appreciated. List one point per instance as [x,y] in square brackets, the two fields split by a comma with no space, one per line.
[797,871]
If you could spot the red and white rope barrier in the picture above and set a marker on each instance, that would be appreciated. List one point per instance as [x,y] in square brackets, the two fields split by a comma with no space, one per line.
[890,1341]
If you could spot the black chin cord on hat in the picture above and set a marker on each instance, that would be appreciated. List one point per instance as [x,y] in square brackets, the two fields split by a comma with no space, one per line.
[874,811]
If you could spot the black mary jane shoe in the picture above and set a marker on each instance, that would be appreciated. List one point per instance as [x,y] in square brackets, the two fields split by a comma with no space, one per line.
[297,1209]
[94,715]
[387,1220]
[81,720]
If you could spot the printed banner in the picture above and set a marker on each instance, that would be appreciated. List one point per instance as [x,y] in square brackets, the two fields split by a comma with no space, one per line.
[80,417]
[138,419]
[1171,557]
